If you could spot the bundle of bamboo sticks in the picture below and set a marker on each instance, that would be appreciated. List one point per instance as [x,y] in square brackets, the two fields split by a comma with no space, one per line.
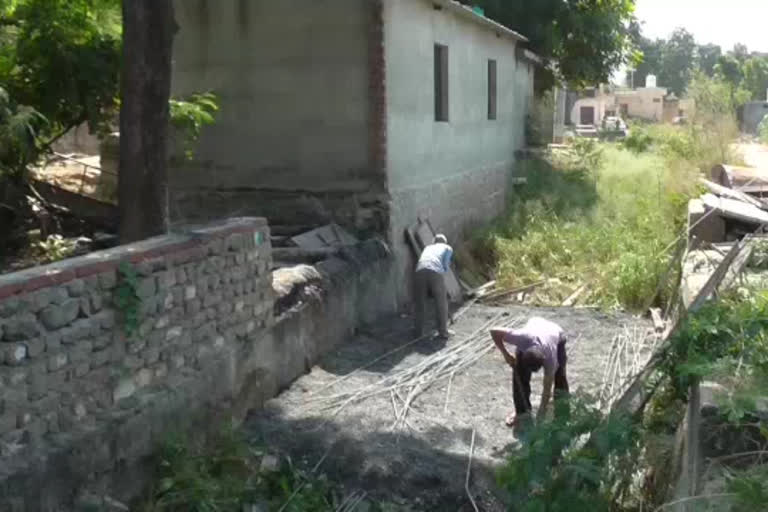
[630,351]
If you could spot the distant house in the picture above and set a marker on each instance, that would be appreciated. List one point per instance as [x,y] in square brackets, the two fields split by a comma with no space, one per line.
[650,103]
[751,114]
[370,113]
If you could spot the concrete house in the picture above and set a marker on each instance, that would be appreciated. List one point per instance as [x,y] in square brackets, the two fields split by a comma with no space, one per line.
[649,103]
[369,113]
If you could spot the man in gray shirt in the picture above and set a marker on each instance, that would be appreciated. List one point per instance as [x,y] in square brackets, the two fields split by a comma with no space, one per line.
[539,343]
[434,262]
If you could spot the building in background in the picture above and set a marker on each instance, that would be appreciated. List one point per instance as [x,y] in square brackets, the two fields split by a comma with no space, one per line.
[369,113]
[650,103]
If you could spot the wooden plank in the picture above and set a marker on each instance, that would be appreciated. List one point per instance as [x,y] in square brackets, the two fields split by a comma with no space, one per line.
[734,209]
[329,235]
[300,255]
[571,300]
[733,194]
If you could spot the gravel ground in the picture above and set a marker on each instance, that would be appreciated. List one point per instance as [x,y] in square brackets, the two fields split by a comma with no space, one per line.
[423,464]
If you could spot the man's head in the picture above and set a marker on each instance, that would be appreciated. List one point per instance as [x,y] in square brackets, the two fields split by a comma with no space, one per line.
[440,239]
[532,359]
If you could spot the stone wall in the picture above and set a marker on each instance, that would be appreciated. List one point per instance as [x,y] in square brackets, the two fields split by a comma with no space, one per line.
[81,400]
[83,406]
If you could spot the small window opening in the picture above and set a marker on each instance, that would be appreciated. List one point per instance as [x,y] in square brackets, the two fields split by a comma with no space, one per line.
[491,89]
[441,83]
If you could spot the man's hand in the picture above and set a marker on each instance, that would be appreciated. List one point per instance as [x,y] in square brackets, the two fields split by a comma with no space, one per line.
[546,395]
[510,359]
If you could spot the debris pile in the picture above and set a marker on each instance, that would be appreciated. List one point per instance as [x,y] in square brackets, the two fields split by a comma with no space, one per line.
[731,210]
[295,249]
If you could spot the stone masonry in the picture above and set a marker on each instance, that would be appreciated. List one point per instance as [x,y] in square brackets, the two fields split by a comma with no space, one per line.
[79,397]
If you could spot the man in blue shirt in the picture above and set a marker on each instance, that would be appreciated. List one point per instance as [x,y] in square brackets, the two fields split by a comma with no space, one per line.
[434,262]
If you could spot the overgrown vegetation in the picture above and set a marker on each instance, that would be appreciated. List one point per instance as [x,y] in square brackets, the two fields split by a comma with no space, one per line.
[228,474]
[55,248]
[190,115]
[575,463]
[605,217]
[596,462]
[597,216]
[126,298]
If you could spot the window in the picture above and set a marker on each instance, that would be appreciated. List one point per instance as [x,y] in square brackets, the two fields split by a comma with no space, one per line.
[441,83]
[491,89]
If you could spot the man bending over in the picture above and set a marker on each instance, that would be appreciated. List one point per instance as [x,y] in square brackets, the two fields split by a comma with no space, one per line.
[434,262]
[538,344]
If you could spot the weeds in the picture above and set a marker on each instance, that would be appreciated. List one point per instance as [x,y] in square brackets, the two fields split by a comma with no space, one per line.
[190,116]
[575,464]
[226,474]
[597,462]
[126,298]
[55,248]
[599,216]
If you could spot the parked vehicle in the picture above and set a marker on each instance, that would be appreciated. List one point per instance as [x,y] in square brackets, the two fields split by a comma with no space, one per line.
[615,126]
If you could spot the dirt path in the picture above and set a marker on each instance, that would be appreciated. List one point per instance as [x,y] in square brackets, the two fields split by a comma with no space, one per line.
[755,155]
[425,463]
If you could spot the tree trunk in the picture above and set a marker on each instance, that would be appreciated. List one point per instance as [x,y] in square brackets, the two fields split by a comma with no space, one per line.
[148,31]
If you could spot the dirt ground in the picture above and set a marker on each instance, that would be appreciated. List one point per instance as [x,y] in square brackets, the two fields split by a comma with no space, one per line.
[75,177]
[423,465]
[755,155]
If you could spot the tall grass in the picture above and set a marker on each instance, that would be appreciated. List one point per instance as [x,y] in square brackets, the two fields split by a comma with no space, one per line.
[604,226]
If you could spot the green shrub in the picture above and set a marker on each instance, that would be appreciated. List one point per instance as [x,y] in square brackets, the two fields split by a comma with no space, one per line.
[575,463]
[638,140]
[224,475]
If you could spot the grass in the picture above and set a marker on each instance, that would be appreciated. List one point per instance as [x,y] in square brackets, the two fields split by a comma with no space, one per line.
[601,218]
[225,474]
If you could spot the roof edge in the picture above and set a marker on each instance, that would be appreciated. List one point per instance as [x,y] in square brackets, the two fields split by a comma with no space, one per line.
[467,12]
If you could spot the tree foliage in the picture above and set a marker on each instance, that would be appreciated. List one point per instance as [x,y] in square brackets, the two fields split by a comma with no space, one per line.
[708,56]
[755,79]
[62,58]
[587,39]
[678,58]
[19,125]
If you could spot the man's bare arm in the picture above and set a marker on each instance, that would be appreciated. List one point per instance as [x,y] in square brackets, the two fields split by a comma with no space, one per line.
[498,339]
[546,395]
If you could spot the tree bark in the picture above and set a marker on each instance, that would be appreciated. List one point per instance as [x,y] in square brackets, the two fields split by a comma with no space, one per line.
[148,30]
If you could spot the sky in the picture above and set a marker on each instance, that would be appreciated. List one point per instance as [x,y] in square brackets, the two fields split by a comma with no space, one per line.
[723,22]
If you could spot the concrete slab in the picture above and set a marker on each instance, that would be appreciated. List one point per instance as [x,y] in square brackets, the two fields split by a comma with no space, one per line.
[425,464]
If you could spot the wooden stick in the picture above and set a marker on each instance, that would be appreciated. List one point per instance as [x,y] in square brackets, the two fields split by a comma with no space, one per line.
[371,363]
[574,296]
[448,392]
[505,293]
[469,468]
